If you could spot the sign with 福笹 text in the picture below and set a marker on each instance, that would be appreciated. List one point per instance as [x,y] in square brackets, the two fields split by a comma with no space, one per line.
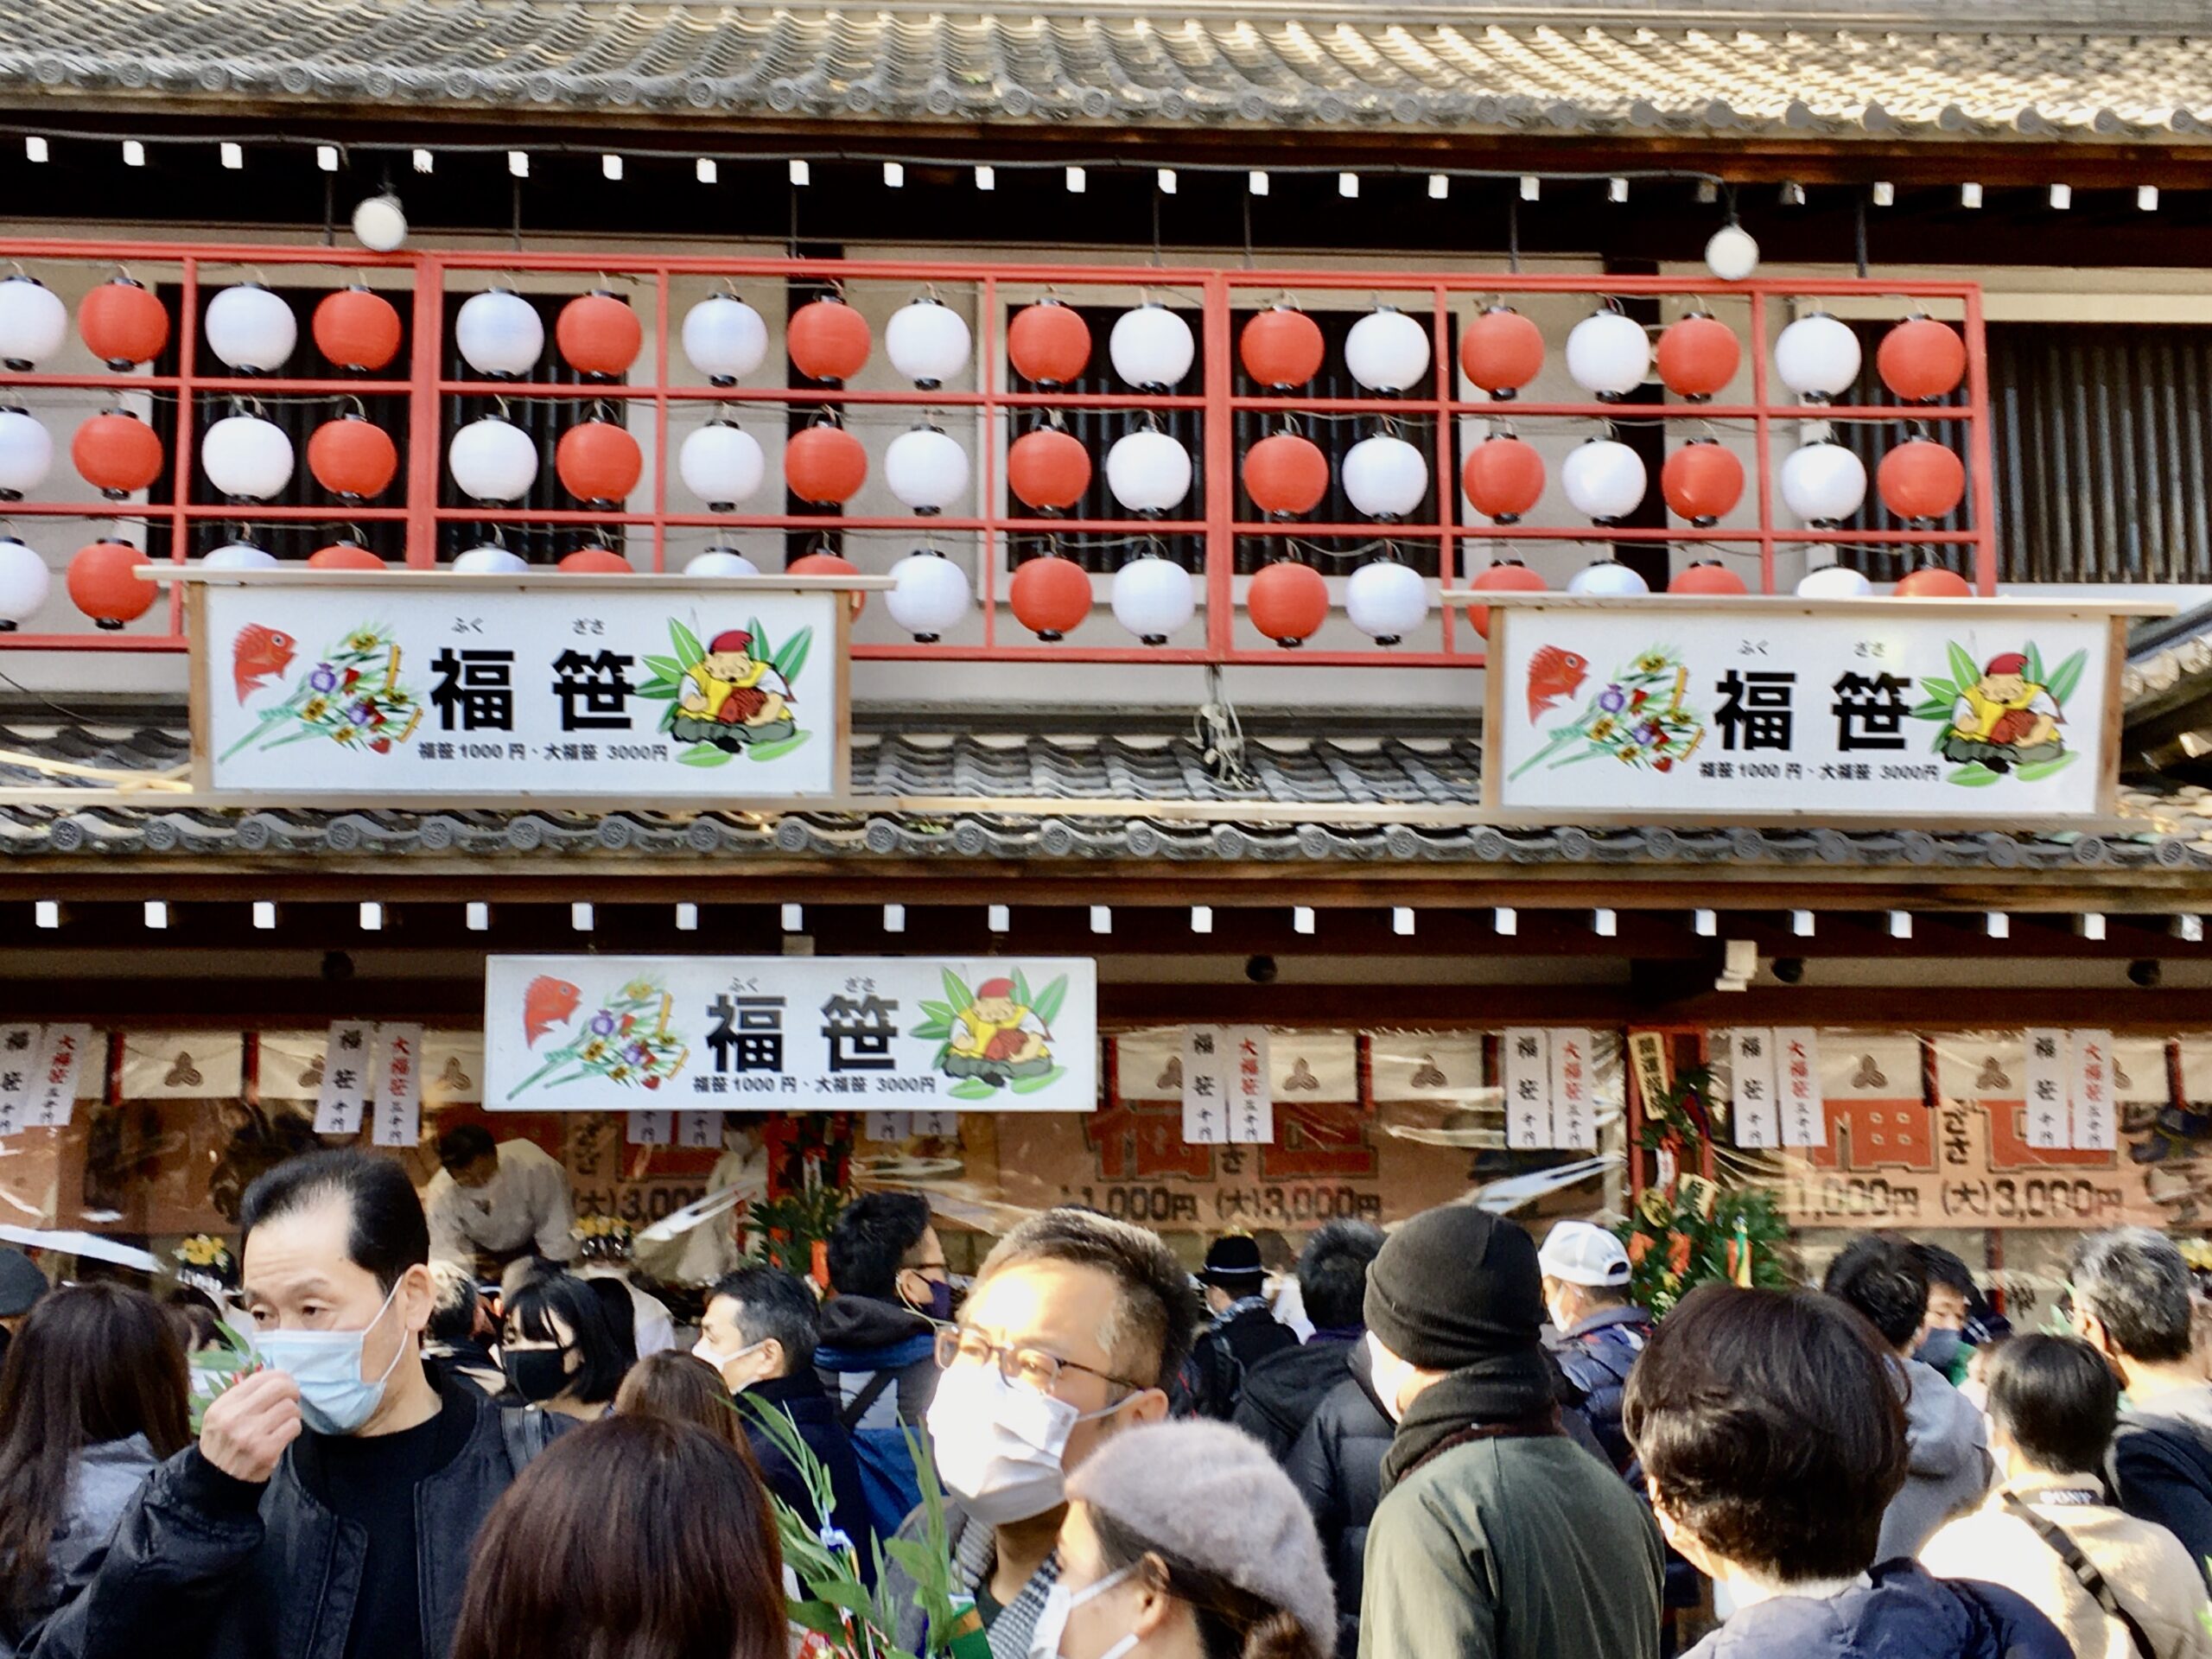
[790,1033]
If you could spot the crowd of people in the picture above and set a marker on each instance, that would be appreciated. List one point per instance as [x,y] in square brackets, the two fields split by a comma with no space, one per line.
[1443,1442]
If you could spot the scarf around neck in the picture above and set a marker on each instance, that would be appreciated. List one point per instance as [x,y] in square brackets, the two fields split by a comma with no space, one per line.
[1506,1395]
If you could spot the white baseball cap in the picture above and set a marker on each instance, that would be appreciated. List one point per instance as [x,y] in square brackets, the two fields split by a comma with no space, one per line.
[1578,1253]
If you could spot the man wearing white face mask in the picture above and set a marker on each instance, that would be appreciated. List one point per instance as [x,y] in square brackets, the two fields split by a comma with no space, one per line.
[1075,1323]
[328,1510]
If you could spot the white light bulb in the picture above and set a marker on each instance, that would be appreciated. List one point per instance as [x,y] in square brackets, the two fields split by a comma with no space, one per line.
[380,224]
[1732,255]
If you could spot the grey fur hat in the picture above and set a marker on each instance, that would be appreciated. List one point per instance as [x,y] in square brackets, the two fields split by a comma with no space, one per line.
[1211,1495]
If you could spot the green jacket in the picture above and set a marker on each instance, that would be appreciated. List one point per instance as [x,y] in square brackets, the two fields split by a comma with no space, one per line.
[1511,1548]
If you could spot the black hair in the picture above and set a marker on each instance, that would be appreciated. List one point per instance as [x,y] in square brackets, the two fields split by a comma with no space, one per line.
[1942,1268]
[773,1303]
[463,1144]
[453,1309]
[388,1234]
[621,1314]
[1332,1272]
[1881,1276]
[872,1240]
[545,1297]
[1157,1315]
[1772,1424]
[2133,1280]
[2057,1399]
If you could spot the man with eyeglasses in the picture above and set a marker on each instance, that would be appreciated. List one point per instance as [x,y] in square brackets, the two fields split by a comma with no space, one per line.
[1075,1323]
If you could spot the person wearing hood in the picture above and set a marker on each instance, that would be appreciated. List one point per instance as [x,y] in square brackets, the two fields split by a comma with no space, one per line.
[1497,1535]
[877,1357]
[1600,1332]
[1949,1466]
[1283,1390]
[1772,1437]
[1336,1466]
[1244,1330]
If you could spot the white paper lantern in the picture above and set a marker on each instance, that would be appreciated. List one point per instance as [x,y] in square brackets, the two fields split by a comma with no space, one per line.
[33,323]
[489,560]
[1388,351]
[1151,347]
[1833,581]
[932,598]
[24,581]
[1817,357]
[721,561]
[246,458]
[238,556]
[722,465]
[1148,471]
[926,470]
[1608,353]
[1609,579]
[1386,600]
[1604,479]
[493,459]
[26,454]
[1824,483]
[380,224]
[500,332]
[251,328]
[1732,255]
[927,342]
[1152,598]
[1384,476]
[724,337]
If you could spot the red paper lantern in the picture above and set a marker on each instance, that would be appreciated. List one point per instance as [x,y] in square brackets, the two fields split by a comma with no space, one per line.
[1051,596]
[824,464]
[1506,576]
[828,340]
[1288,602]
[353,457]
[828,565]
[118,453]
[1933,582]
[1281,347]
[1286,474]
[597,460]
[356,329]
[599,335]
[597,561]
[344,555]
[1709,577]
[1702,482]
[1047,469]
[104,586]
[1921,359]
[124,323]
[1698,356]
[1502,351]
[1048,343]
[1921,480]
[1504,478]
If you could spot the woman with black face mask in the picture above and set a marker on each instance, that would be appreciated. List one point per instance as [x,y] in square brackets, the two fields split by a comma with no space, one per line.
[559,1349]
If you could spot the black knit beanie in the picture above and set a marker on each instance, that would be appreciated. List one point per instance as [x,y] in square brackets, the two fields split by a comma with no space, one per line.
[1455,1286]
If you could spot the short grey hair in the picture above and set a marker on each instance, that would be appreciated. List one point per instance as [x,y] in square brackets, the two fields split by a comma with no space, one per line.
[2133,1280]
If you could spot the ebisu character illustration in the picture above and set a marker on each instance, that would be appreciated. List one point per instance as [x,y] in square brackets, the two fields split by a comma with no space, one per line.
[997,1036]
[2005,719]
[731,699]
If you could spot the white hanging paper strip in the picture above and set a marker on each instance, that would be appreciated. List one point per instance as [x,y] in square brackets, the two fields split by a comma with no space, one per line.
[1315,1065]
[905,1126]
[348,1067]
[1251,1103]
[2047,1079]
[1148,1064]
[288,1065]
[2092,1127]
[1757,1116]
[1206,1085]
[1429,1065]
[647,1128]
[697,1130]
[453,1070]
[54,1092]
[1574,1121]
[399,1100]
[1524,1069]
[22,1047]
[183,1066]
[1797,1087]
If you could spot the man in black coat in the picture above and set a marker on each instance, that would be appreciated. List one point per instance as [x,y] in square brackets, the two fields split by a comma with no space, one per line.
[1282,1391]
[1244,1330]
[1337,1465]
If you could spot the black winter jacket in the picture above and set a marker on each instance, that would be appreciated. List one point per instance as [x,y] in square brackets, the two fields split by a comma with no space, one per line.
[801,1397]
[1213,1376]
[1337,1465]
[203,1566]
[1282,1392]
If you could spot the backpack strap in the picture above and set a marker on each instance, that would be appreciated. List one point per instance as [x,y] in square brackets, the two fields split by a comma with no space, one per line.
[2090,1580]
[862,1403]
[525,1434]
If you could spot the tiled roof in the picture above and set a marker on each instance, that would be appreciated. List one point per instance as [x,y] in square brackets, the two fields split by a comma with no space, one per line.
[1639,71]
[2175,833]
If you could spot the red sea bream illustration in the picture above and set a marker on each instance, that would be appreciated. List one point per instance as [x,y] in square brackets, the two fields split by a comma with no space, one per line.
[1553,675]
[260,655]
[548,1002]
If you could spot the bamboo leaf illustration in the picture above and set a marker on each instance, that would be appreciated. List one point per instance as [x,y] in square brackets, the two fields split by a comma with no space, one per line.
[779,748]
[2061,684]
[1031,1085]
[689,652]
[1962,669]
[2035,664]
[962,997]
[705,754]
[1946,690]
[1021,990]
[666,668]
[1047,1005]
[792,658]
[974,1088]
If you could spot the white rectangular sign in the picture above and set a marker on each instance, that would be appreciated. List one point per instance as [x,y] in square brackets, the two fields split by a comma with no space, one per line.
[1524,1072]
[1251,1101]
[1574,1118]
[1751,1060]
[391,689]
[21,1050]
[398,1099]
[1205,1086]
[2092,1127]
[1797,1087]
[1890,713]
[790,1033]
[348,1077]
[2048,1086]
